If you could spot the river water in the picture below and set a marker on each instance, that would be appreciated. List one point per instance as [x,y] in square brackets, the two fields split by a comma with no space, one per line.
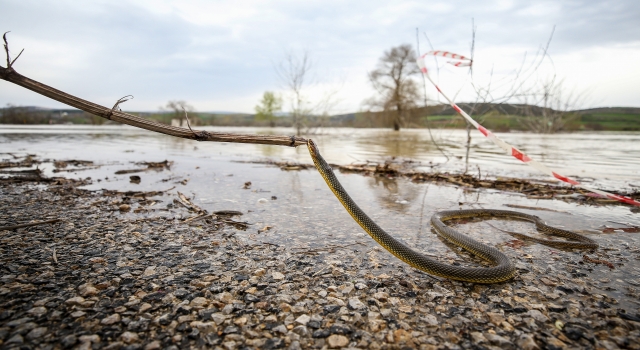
[303,212]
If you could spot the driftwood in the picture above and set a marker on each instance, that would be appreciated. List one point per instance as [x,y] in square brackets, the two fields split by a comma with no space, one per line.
[9,74]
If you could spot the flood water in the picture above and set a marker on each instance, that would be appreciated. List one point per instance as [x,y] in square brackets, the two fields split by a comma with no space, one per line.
[303,212]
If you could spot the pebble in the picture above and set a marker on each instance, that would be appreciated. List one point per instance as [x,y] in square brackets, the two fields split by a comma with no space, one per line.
[303,319]
[129,337]
[145,283]
[109,320]
[355,304]
[77,314]
[16,339]
[337,341]
[75,301]
[37,332]
[537,315]
[38,311]
[526,342]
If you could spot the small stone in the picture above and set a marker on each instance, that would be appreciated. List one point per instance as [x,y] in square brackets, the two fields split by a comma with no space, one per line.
[218,318]
[281,328]
[116,345]
[360,286]
[401,336]
[74,301]
[77,314]
[495,318]
[38,311]
[241,321]
[185,318]
[301,331]
[97,260]
[200,284]
[430,320]
[337,341]
[37,333]
[303,320]
[89,338]
[477,337]
[507,326]
[555,343]
[285,307]
[199,302]
[355,304]
[228,309]
[406,309]
[87,290]
[259,272]
[69,341]
[526,342]
[129,337]
[225,297]
[115,318]
[498,340]
[124,207]
[154,345]
[381,296]
[537,315]
[336,301]
[144,307]
[273,343]
[277,276]
[16,339]
[149,271]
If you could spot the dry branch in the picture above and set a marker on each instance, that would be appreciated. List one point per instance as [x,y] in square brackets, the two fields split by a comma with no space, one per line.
[9,74]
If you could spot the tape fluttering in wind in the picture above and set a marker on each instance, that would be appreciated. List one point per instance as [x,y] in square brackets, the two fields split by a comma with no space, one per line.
[462,61]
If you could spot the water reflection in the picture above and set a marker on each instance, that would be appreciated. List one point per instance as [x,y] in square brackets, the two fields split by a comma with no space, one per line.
[396,144]
[612,159]
[390,195]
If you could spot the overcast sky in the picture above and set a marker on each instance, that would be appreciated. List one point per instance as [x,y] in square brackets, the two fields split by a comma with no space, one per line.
[220,55]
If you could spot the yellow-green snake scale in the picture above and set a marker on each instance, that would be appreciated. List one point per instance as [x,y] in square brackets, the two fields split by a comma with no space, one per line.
[503,268]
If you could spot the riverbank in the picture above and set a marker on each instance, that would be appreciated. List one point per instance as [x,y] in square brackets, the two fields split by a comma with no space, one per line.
[149,268]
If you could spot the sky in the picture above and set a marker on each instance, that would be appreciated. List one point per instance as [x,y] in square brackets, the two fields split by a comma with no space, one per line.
[222,55]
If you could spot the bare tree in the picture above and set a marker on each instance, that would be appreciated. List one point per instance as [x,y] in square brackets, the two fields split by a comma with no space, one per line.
[293,72]
[177,107]
[392,79]
[553,106]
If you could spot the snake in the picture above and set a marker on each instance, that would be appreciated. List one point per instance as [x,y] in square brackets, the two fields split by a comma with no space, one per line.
[502,268]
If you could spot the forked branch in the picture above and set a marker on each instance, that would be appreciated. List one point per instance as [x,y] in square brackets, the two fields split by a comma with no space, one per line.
[9,74]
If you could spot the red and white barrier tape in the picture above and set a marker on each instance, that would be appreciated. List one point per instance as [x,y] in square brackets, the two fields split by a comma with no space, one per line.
[516,153]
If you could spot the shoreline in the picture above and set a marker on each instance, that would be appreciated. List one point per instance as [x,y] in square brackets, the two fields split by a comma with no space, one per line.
[123,276]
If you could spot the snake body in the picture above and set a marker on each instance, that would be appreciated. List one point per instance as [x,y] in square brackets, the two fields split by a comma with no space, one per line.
[503,268]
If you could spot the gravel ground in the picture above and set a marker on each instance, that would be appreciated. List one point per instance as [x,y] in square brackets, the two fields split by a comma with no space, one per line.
[150,280]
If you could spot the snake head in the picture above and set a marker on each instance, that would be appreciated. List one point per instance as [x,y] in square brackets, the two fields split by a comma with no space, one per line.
[313,148]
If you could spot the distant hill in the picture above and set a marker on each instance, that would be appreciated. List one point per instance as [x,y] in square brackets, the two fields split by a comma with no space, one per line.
[498,117]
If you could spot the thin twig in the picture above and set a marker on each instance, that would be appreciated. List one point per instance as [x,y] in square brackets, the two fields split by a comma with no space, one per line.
[6,48]
[188,122]
[13,227]
[424,89]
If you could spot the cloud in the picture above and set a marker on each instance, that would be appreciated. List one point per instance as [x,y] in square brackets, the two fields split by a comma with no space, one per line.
[220,54]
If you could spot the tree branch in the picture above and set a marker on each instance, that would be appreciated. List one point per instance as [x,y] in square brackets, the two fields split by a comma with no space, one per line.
[9,74]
